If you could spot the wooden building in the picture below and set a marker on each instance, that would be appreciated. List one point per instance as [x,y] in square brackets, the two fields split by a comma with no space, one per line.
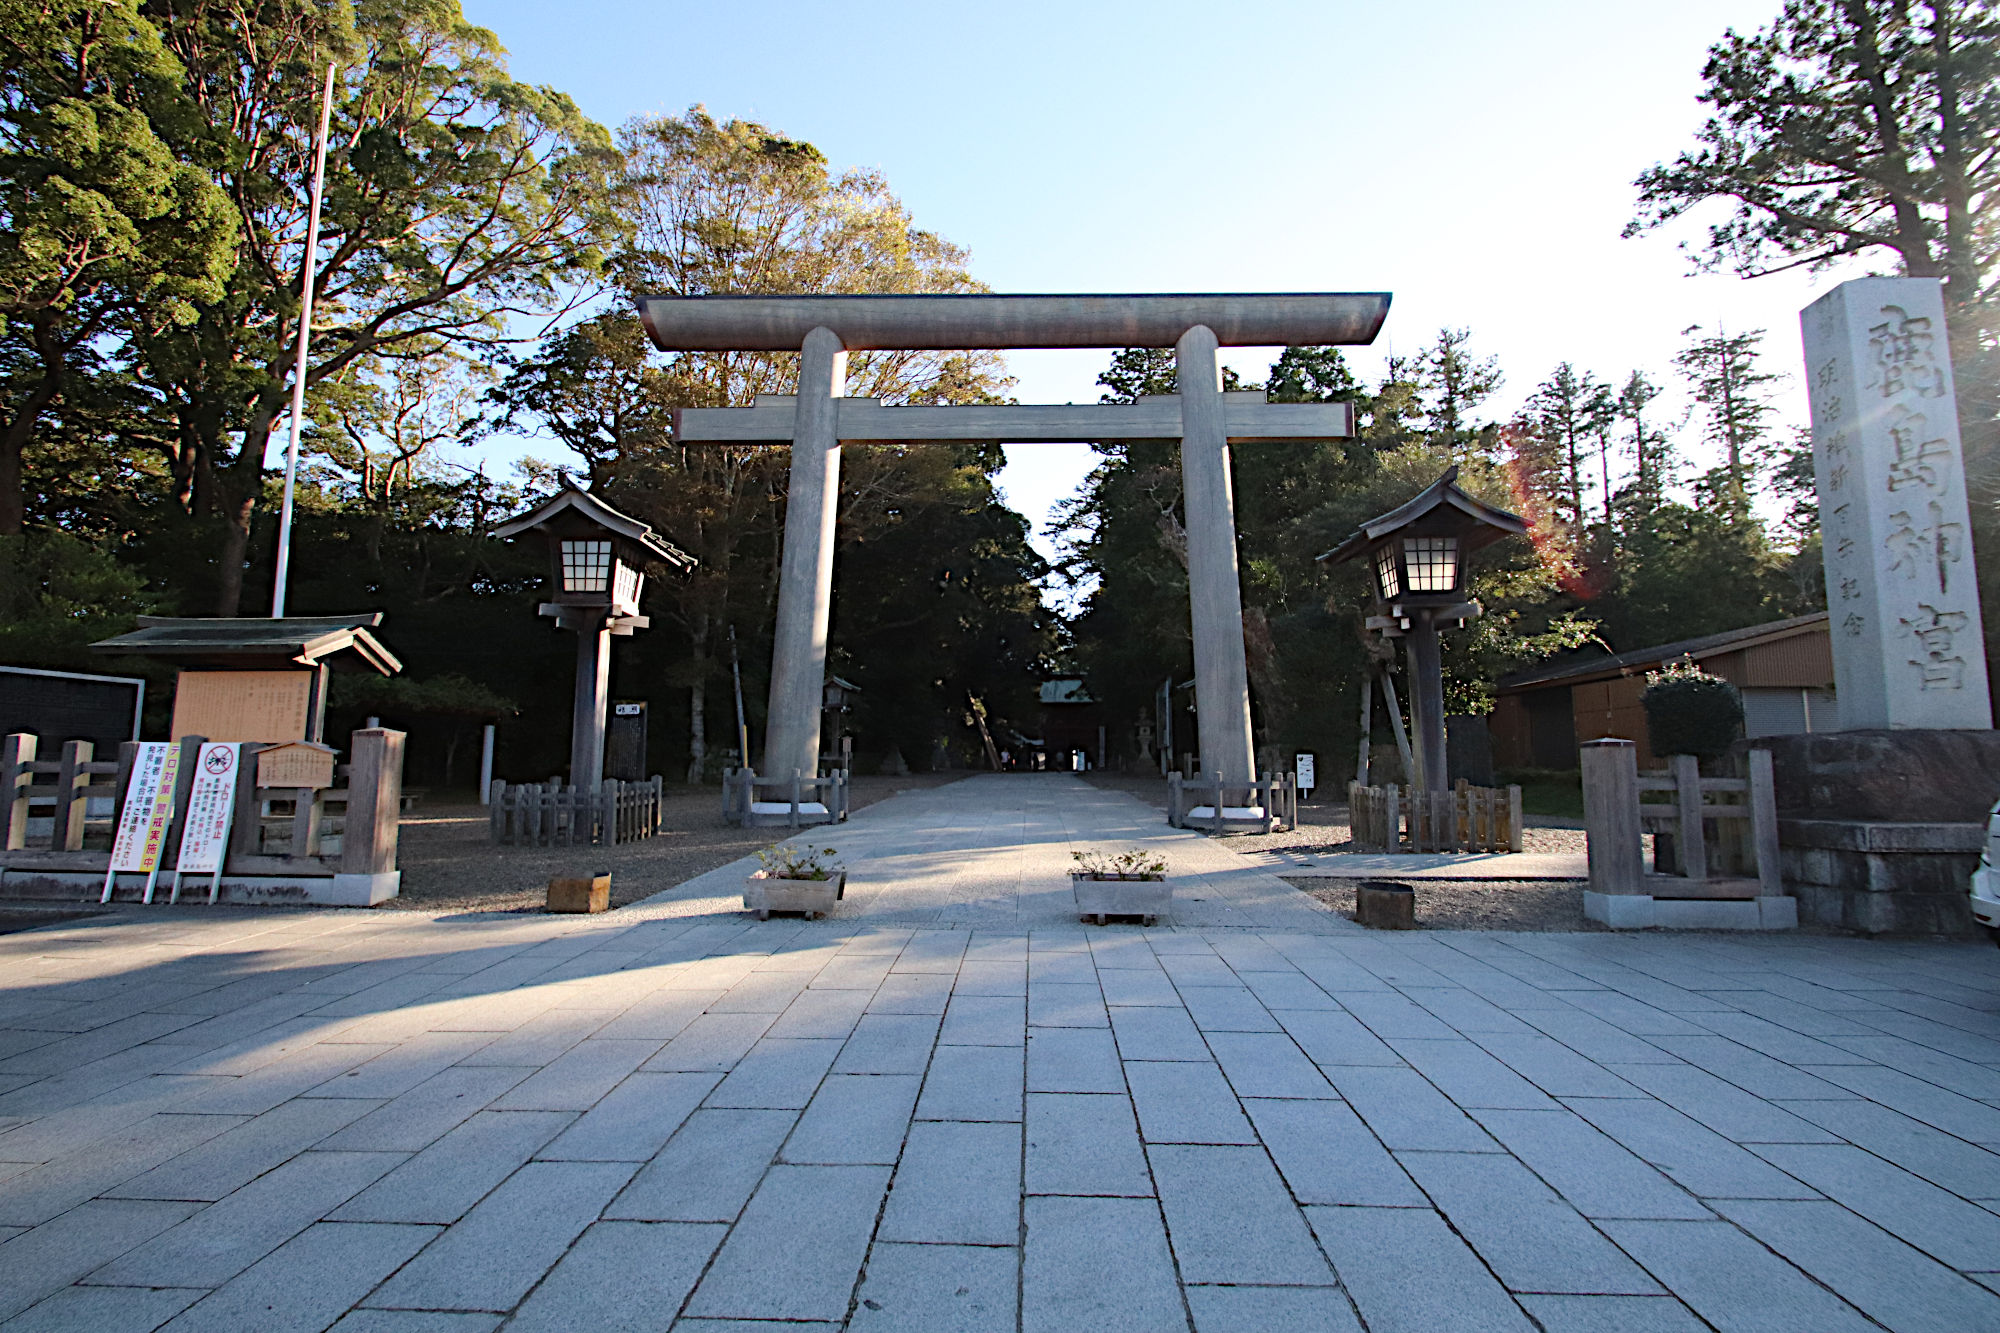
[1072,721]
[1784,669]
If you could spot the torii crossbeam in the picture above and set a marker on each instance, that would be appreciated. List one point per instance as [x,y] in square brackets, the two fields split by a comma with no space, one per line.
[817,420]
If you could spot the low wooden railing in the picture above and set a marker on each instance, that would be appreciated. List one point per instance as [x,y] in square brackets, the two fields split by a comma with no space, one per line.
[543,814]
[1724,849]
[284,832]
[743,792]
[1464,819]
[1276,798]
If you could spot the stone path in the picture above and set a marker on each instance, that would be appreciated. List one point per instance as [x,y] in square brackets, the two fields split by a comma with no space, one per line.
[383,1122]
[993,853]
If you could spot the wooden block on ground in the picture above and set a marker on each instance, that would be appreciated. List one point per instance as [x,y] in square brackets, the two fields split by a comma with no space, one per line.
[580,895]
[1385,905]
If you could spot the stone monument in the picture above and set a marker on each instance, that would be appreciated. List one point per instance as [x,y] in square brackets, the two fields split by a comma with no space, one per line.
[1881,821]
[1903,602]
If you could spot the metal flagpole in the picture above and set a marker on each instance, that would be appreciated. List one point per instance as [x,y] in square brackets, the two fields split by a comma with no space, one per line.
[307,267]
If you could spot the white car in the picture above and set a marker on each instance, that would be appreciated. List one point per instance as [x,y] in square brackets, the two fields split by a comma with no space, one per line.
[1985,888]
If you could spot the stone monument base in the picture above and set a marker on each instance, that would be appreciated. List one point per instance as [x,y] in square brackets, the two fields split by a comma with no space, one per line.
[1880,831]
[1882,877]
[1895,776]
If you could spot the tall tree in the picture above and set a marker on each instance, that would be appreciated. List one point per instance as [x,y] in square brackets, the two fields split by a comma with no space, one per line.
[1858,128]
[733,206]
[458,202]
[96,212]
[1733,394]
[1451,383]
[1652,462]
[1563,408]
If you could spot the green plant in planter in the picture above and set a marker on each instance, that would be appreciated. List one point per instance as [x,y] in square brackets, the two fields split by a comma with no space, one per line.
[1135,864]
[1689,711]
[782,862]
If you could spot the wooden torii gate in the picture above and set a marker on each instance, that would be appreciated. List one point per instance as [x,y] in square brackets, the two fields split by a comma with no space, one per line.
[817,420]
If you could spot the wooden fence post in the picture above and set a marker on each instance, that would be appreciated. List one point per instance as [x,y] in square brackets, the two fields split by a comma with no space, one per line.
[1763,801]
[246,826]
[16,753]
[71,803]
[1514,817]
[374,801]
[1611,815]
[1693,836]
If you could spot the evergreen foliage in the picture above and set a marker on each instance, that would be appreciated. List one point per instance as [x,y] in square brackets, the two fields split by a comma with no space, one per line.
[1691,712]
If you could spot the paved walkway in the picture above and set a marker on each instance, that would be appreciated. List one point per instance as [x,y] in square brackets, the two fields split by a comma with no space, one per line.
[993,853]
[384,1123]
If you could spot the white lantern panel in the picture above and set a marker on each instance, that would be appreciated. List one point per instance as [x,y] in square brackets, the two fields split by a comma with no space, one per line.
[1431,563]
[1386,575]
[586,566]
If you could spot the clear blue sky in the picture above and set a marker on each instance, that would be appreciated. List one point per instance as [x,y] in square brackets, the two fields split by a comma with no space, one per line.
[1475,159]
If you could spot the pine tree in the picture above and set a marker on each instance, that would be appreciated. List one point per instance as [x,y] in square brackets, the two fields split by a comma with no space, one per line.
[1733,395]
[1652,459]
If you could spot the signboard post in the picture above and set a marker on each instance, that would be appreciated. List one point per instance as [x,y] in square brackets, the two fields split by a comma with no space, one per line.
[1303,766]
[149,809]
[205,831]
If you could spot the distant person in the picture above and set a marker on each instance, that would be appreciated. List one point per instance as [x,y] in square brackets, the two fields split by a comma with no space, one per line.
[1006,760]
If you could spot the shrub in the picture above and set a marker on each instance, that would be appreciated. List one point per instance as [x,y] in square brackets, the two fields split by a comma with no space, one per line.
[1689,711]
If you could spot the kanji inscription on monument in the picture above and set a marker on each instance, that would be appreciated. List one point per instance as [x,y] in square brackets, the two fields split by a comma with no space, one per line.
[1907,644]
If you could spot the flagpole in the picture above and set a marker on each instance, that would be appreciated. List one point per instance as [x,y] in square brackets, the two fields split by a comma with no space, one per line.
[307,267]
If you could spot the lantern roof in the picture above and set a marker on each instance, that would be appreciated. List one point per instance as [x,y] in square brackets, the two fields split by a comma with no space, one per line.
[342,642]
[1476,523]
[573,504]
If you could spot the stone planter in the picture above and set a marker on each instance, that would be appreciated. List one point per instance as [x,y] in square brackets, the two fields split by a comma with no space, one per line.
[765,894]
[1101,896]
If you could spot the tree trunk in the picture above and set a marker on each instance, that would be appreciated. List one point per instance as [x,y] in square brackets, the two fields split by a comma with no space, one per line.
[21,428]
[697,730]
[13,504]
[229,561]
[237,509]
[698,699]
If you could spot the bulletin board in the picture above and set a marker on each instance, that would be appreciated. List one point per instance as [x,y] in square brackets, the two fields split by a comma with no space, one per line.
[244,705]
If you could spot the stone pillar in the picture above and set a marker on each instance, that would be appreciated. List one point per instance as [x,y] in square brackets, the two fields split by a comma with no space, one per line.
[1221,677]
[593,696]
[1908,647]
[805,580]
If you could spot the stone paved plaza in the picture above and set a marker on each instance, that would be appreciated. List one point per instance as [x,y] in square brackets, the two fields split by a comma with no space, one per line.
[951,1107]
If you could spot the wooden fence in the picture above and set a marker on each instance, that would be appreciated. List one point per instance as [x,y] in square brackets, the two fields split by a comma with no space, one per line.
[1275,802]
[748,799]
[544,814]
[1727,849]
[1464,819]
[50,841]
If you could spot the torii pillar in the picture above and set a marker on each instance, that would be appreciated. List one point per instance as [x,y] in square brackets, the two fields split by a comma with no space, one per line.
[805,576]
[1215,593]
[1201,416]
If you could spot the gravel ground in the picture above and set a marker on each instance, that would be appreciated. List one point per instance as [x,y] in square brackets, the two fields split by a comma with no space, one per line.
[449,863]
[1475,904]
[1323,824]
[1468,904]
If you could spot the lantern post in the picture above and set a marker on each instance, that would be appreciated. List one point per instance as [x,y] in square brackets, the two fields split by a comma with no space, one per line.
[1416,556]
[597,560]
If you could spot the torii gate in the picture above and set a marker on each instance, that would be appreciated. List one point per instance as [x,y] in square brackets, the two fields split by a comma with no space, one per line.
[1200,415]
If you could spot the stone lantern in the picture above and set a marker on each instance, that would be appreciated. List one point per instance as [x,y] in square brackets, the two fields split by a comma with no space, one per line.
[1416,555]
[597,560]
